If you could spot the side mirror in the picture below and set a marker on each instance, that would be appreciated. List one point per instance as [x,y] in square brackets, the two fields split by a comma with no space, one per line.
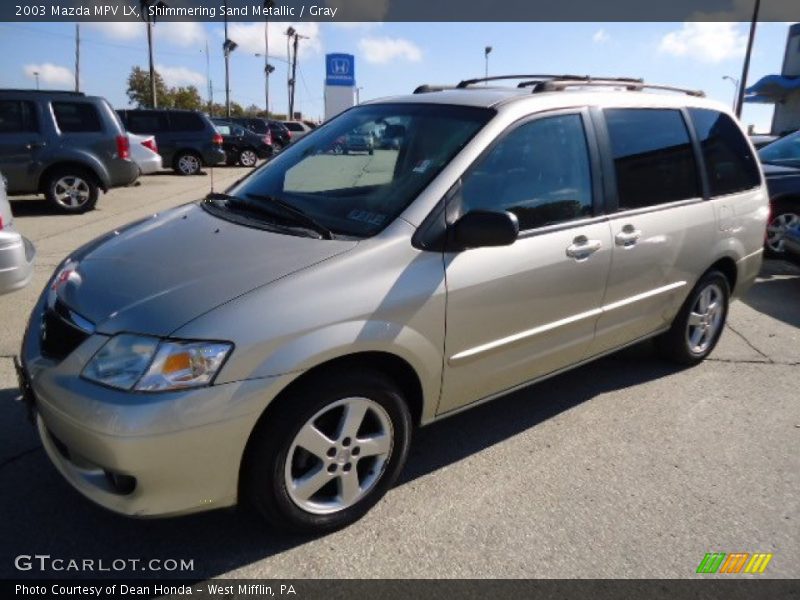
[483,228]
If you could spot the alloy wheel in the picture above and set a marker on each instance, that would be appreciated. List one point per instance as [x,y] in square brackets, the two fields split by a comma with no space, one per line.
[778,227]
[188,164]
[71,191]
[248,158]
[705,319]
[338,455]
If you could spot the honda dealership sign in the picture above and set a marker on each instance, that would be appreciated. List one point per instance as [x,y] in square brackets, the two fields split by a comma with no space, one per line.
[340,83]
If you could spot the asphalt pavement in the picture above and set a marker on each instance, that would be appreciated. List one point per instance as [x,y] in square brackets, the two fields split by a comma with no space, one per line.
[627,467]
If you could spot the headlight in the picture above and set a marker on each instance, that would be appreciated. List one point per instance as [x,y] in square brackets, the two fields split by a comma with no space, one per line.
[134,362]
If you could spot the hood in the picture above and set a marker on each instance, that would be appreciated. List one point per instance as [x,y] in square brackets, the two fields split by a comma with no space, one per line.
[771,170]
[160,273]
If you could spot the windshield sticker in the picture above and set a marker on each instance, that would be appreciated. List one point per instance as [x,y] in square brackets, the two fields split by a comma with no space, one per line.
[366,217]
[422,166]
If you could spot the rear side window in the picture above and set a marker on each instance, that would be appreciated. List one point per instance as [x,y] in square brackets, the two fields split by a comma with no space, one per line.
[294,127]
[17,116]
[76,117]
[146,122]
[730,164]
[186,121]
[256,126]
[540,172]
[653,157]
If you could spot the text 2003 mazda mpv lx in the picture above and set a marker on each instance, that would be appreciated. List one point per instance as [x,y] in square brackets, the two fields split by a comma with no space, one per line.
[277,344]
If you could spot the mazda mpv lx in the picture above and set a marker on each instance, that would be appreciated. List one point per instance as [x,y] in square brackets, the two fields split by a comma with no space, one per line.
[275,345]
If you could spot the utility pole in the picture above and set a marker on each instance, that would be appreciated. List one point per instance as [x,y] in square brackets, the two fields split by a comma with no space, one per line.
[210,87]
[268,5]
[77,57]
[297,38]
[746,66]
[289,33]
[225,48]
[153,99]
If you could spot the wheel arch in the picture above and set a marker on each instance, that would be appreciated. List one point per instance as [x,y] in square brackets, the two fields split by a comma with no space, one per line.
[87,168]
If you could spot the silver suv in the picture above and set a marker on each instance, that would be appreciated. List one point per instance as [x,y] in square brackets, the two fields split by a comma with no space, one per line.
[277,344]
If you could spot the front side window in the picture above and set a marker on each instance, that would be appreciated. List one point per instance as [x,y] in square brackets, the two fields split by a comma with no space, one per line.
[340,176]
[540,172]
[653,157]
[76,117]
[730,164]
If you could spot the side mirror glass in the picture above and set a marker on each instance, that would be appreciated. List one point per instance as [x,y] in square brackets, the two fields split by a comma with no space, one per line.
[483,228]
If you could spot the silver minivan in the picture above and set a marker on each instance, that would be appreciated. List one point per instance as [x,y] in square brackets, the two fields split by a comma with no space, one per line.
[276,345]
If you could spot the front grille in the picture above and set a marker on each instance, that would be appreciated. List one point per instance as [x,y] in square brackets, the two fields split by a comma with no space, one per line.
[59,335]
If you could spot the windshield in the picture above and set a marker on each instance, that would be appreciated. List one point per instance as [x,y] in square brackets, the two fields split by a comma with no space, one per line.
[343,175]
[782,150]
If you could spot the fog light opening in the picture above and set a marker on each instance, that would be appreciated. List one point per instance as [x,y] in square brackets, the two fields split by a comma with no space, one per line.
[121,484]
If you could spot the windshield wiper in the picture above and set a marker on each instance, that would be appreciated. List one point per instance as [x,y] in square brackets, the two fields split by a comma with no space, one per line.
[286,210]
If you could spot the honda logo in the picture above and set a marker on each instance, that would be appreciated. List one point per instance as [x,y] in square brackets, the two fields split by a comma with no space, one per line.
[340,66]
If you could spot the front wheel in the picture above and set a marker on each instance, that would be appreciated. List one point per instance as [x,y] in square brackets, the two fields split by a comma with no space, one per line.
[328,452]
[781,222]
[187,163]
[248,158]
[698,326]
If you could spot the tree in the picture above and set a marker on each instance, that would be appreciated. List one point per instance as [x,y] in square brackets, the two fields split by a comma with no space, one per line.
[139,89]
[187,97]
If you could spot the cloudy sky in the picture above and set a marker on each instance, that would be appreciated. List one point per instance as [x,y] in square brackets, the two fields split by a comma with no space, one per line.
[391,58]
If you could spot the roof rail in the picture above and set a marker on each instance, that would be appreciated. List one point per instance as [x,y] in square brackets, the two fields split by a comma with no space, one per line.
[64,92]
[633,85]
[427,88]
[468,82]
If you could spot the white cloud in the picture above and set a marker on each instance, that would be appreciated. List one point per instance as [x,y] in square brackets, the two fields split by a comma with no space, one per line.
[601,36]
[50,74]
[180,76]
[250,37]
[355,25]
[706,42]
[122,31]
[385,49]
[181,33]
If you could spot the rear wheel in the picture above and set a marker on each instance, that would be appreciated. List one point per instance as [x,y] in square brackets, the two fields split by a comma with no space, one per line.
[187,163]
[783,220]
[72,190]
[248,158]
[328,453]
[698,326]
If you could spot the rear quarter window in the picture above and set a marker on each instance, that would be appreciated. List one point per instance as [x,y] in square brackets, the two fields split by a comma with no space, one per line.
[186,121]
[76,117]
[146,122]
[729,163]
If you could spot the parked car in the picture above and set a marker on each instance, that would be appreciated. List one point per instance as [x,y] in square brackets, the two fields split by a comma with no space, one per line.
[241,145]
[783,184]
[65,145]
[186,139]
[359,140]
[281,136]
[276,345]
[784,152]
[392,137]
[16,252]
[144,151]
[297,129]
[759,141]
[310,124]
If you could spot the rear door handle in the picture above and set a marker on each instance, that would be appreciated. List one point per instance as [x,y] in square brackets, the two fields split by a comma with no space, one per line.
[582,247]
[628,236]
[34,145]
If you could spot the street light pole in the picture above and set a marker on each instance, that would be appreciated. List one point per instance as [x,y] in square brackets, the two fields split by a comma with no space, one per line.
[735,83]
[77,57]
[36,75]
[268,5]
[486,52]
[746,66]
[226,49]
[289,33]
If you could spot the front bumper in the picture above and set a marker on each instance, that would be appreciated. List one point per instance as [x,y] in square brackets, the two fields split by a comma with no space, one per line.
[17,256]
[142,454]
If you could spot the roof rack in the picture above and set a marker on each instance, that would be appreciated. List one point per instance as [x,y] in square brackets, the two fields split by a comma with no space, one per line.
[553,83]
[64,92]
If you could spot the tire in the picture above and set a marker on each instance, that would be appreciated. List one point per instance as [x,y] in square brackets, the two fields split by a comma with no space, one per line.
[248,158]
[371,151]
[72,190]
[698,325]
[783,218]
[187,163]
[275,460]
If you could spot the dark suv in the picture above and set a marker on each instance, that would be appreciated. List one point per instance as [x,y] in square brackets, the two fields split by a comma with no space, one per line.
[64,145]
[186,139]
[281,137]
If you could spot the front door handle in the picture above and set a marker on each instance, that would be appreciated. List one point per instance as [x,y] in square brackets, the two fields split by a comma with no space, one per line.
[582,248]
[34,145]
[628,236]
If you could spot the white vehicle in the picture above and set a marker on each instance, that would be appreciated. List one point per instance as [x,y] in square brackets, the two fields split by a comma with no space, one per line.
[144,153]
[298,129]
[16,252]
